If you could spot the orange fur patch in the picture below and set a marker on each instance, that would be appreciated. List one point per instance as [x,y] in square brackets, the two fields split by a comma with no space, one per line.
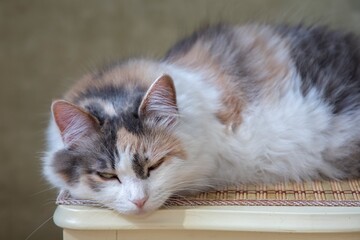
[155,144]
[128,140]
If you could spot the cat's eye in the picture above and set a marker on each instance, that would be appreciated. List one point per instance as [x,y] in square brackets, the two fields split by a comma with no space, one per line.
[107,176]
[156,165]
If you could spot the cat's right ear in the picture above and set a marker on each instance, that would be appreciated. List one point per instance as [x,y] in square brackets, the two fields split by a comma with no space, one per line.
[72,121]
[159,102]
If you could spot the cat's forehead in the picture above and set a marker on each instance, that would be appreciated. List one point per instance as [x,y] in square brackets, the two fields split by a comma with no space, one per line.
[129,141]
[148,148]
[114,108]
[147,141]
[111,101]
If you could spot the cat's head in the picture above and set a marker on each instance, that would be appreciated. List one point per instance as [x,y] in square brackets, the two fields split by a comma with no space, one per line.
[131,161]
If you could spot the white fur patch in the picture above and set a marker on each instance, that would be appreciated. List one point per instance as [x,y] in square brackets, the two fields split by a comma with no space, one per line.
[107,106]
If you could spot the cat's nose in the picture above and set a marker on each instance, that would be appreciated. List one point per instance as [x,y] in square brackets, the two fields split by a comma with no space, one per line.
[140,202]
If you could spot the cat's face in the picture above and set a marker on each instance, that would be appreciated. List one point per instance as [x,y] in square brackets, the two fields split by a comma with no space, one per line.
[138,177]
[129,165]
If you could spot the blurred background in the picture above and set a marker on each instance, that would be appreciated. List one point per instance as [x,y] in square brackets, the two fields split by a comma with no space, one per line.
[46,45]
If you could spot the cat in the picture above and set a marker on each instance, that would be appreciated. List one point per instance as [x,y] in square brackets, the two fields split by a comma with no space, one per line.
[226,105]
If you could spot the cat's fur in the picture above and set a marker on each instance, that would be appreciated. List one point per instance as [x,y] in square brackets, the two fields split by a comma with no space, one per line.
[226,105]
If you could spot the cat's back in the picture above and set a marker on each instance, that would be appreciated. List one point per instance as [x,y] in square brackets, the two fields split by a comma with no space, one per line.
[260,58]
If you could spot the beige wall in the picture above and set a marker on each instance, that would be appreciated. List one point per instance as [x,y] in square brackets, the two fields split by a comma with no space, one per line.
[46,45]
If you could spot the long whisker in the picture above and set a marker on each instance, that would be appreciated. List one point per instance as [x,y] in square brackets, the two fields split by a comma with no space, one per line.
[42,191]
[40,226]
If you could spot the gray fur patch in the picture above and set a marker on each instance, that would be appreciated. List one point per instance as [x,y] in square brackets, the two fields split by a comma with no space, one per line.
[125,101]
[139,166]
[68,165]
[94,185]
[328,61]
[87,157]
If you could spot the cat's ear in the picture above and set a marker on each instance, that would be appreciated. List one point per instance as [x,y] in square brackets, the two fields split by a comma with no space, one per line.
[159,102]
[72,121]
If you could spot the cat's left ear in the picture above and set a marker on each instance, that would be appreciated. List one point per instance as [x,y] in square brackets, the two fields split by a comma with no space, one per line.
[72,121]
[159,102]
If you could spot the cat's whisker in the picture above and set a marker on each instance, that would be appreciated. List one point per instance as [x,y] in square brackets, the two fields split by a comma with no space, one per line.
[42,191]
[40,226]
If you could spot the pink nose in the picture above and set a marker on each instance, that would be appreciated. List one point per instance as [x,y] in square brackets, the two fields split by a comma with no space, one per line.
[140,202]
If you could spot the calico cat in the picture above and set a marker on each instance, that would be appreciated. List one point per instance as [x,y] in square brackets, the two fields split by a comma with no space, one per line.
[226,105]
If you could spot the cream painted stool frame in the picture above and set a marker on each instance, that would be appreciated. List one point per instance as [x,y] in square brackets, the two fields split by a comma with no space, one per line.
[242,222]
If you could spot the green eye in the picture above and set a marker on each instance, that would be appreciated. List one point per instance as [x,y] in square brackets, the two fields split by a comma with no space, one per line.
[107,176]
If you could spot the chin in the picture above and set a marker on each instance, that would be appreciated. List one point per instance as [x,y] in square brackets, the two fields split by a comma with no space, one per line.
[133,212]
[146,210]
